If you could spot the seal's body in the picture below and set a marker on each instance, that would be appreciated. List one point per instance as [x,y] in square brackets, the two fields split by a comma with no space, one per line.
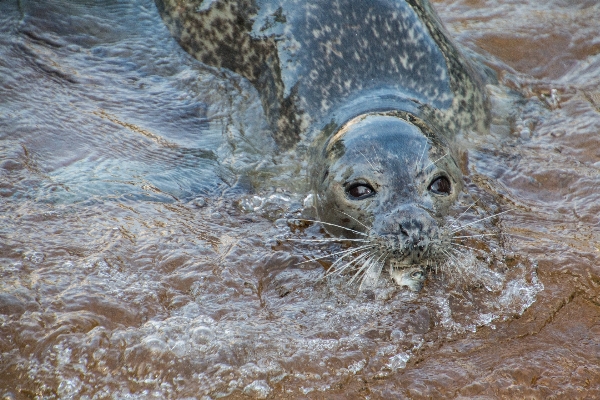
[378,89]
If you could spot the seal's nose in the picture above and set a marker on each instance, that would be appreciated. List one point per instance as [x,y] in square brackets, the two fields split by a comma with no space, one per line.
[411,228]
[412,231]
[416,240]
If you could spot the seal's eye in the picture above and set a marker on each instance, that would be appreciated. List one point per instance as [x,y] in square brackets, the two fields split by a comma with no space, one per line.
[441,186]
[359,191]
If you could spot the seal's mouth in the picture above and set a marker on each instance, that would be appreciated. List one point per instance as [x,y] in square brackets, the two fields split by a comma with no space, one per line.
[410,249]
[412,277]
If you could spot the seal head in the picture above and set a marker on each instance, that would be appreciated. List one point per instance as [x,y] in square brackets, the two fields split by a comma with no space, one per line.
[383,178]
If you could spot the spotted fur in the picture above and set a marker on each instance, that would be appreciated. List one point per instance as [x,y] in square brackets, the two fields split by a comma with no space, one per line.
[323,61]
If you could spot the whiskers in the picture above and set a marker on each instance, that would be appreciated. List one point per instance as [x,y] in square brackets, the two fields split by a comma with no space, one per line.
[335,225]
[459,228]
[366,260]
[457,250]
[466,254]
[419,168]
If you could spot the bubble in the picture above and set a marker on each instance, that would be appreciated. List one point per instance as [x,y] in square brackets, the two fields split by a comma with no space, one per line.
[258,389]
[155,345]
[199,202]
[69,388]
[357,366]
[36,257]
[202,335]
[398,361]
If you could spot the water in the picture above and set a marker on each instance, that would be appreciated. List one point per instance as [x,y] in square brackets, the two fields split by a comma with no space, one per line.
[136,263]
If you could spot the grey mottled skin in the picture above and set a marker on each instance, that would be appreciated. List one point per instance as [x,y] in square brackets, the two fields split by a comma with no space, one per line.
[380,92]
[314,62]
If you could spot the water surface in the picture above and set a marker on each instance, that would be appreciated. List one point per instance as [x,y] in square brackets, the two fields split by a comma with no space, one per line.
[137,262]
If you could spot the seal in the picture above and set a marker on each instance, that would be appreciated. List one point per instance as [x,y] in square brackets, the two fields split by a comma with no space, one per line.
[377,90]
[387,183]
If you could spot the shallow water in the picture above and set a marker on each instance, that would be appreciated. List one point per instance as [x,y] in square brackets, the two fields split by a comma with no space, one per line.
[135,264]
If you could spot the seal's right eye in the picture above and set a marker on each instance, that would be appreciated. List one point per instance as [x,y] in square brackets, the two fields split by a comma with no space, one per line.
[360,191]
[441,186]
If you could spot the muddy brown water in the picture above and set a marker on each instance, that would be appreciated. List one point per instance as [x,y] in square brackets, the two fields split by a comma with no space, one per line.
[135,264]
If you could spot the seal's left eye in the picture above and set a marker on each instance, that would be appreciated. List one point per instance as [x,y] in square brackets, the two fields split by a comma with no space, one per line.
[360,191]
[441,186]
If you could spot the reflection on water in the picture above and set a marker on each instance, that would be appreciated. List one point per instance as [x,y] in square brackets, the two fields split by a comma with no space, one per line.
[134,263]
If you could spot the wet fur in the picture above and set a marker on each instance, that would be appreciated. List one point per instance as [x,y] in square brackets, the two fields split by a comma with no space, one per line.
[318,65]
[325,61]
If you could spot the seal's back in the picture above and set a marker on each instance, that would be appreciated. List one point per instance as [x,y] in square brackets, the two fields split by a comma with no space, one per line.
[326,61]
